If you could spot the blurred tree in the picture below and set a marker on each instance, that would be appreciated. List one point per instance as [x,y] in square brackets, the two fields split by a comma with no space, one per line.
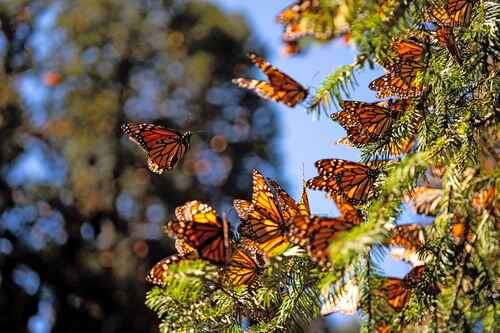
[80,213]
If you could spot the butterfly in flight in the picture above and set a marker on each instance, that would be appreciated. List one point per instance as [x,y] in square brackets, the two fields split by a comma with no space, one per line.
[280,88]
[204,231]
[397,291]
[315,233]
[245,264]
[350,180]
[368,122]
[164,147]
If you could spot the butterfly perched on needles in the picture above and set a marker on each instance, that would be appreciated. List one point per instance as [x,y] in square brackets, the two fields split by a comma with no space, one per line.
[280,88]
[204,231]
[404,242]
[424,200]
[352,181]
[397,291]
[368,122]
[454,13]
[245,264]
[400,81]
[164,147]
[265,219]
[315,233]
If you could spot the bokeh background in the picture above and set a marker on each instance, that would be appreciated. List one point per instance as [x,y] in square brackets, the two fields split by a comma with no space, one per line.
[80,215]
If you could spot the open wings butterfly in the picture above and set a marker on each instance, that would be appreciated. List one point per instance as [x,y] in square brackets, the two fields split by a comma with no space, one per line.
[315,233]
[246,263]
[367,122]
[353,181]
[164,147]
[280,88]
[397,291]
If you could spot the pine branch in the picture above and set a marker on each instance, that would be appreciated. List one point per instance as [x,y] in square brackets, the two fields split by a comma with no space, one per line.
[339,82]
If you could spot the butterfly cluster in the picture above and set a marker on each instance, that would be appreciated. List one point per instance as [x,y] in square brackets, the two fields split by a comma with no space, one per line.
[271,221]
[403,77]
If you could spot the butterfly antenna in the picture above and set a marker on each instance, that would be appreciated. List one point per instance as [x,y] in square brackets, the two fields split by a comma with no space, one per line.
[199,131]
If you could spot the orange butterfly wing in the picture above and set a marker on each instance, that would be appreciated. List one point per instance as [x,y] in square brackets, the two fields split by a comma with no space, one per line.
[157,274]
[264,223]
[280,88]
[245,264]
[204,231]
[353,181]
[315,234]
[347,211]
[365,122]
[425,200]
[164,147]
[408,236]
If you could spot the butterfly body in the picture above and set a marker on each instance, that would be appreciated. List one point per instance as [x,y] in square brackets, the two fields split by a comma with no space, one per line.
[164,147]
[280,88]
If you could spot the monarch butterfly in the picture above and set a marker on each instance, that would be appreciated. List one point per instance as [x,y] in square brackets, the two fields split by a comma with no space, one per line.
[409,50]
[280,88]
[401,79]
[245,264]
[164,147]
[366,122]
[315,233]
[399,83]
[262,218]
[409,236]
[242,208]
[397,291]
[484,199]
[201,229]
[288,207]
[157,274]
[353,181]
[424,200]
[456,13]
[347,211]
